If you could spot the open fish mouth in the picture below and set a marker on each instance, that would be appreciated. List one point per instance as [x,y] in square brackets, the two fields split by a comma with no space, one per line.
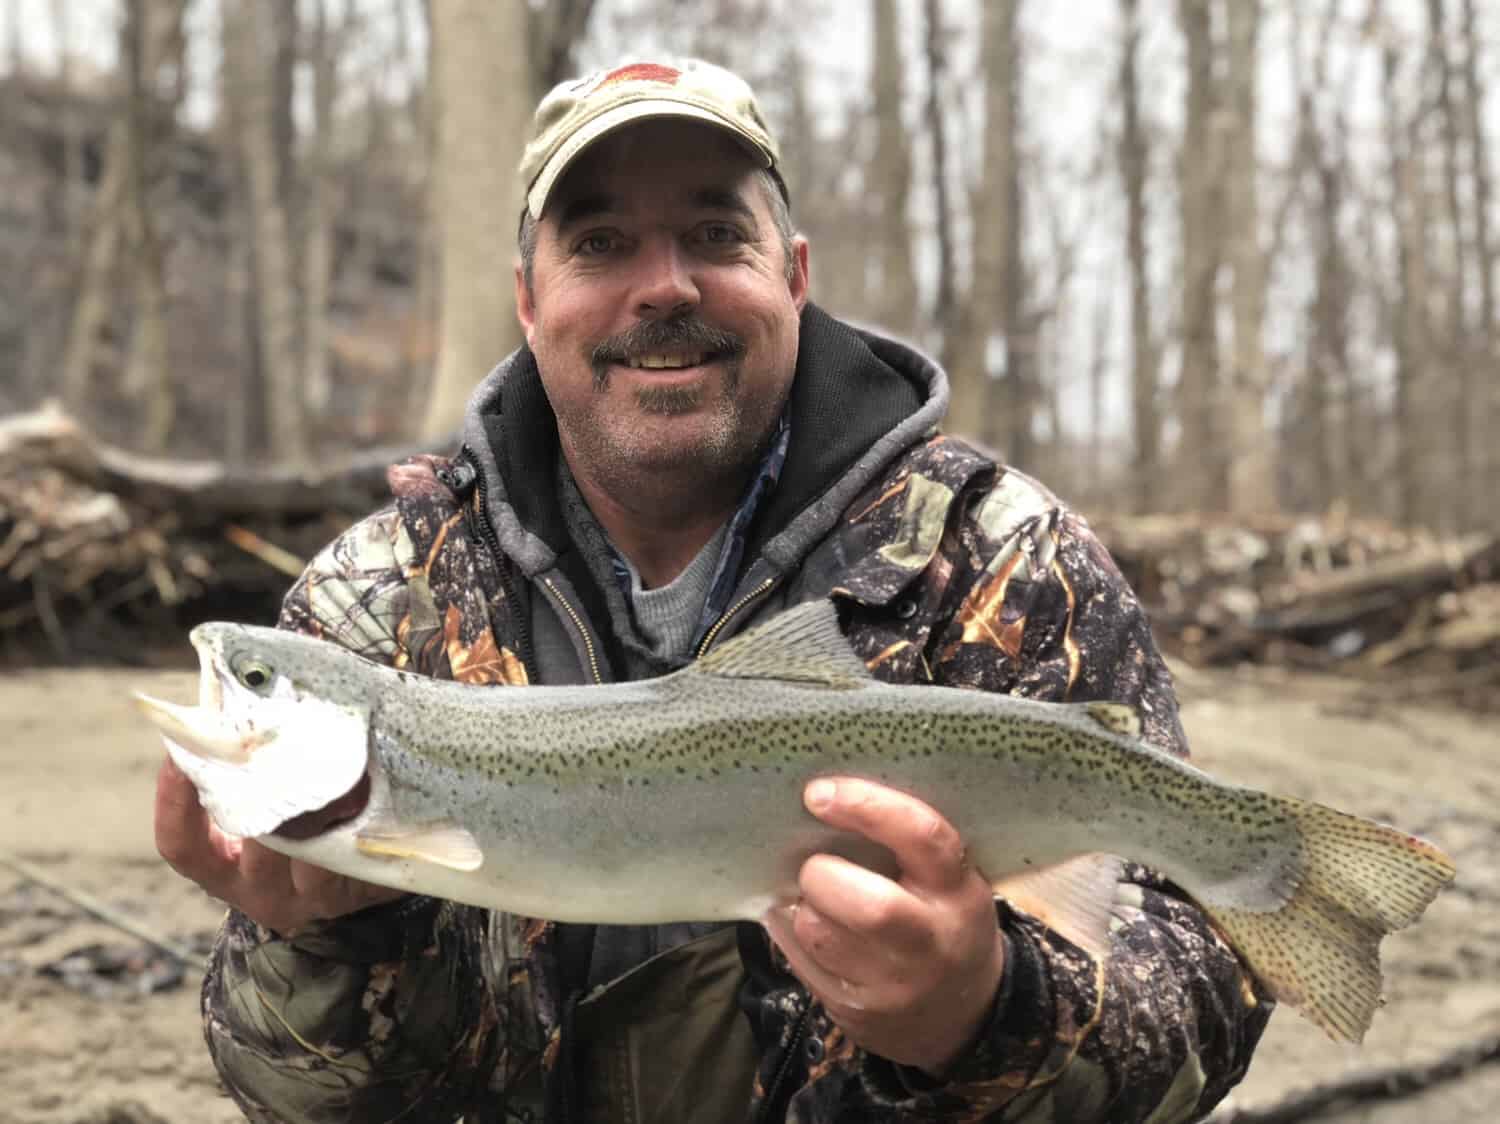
[205,732]
[295,767]
[336,813]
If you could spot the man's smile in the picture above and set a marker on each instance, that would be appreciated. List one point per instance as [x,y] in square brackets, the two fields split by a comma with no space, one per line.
[668,361]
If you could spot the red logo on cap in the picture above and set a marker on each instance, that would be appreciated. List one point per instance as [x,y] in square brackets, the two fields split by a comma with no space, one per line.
[643,72]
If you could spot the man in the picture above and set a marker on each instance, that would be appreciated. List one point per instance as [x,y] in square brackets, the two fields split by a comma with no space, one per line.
[685,446]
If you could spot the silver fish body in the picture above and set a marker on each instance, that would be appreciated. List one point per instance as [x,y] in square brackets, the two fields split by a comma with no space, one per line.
[680,798]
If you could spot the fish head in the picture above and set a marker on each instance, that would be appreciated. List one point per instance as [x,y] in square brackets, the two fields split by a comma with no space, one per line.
[280,730]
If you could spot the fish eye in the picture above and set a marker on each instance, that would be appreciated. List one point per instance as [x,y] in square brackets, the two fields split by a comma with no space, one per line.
[252,673]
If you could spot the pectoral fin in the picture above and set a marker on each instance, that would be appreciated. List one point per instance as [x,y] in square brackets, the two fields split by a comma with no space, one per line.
[1073,898]
[440,844]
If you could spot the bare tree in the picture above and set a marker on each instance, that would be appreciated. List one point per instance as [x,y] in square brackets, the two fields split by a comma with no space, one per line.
[121,210]
[890,174]
[1252,486]
[1483,362]
[1135,158]
[1200,454]
[1408,300]
[964,324]
[994,363]
[148,373]
[317,225]
[258,44]
[819,176]
[554,31]
[1324,423]
[1452,338]
[483,84]
[73,186]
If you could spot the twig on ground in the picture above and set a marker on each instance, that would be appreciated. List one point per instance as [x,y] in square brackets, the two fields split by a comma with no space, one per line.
[96,908]
[268,552]
[1384,1083]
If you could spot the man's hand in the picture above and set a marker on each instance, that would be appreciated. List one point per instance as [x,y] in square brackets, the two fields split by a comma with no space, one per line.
[909,967]
[281,893]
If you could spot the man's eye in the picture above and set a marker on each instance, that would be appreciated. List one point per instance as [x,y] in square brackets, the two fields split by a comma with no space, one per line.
[593,244]
[721,234]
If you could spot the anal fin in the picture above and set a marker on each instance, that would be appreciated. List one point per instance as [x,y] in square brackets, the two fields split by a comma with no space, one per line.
[441,844]
[1074,898]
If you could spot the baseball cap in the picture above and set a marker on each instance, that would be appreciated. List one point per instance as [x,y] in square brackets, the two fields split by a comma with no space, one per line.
[580,111]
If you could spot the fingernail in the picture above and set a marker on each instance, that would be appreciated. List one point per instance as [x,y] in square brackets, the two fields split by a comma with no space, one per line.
[820,794]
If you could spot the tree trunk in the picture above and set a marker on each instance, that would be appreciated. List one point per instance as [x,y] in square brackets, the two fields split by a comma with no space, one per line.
[1454,380]
[97,276]
[74,188]
[1329,367]
[96,282]
[1135,159]
[148,30]
[148,372]
[483,85]
[988,367]
[1202,467]
[255,50]
[317,233]
[1316,432]
[1409,320]
[890,175]
[1012,352]
[1484,362]
[1102,330]
[1252,485]
[555,29]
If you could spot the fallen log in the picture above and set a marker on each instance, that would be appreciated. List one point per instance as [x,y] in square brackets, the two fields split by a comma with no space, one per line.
[102,549]
[1410,574]
[49,437]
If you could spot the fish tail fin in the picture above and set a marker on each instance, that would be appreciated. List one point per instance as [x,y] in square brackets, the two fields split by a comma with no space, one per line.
[1355,881]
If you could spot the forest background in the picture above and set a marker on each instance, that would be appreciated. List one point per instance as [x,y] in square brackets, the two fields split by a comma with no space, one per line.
[1178,255]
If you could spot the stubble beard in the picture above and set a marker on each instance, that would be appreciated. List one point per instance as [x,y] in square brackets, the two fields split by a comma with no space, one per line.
[633,446]
[627,448]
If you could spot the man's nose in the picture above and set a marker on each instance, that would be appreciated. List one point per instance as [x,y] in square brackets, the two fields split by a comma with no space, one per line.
[665,285]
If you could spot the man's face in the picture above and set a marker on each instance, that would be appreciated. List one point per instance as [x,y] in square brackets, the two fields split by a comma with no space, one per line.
[663,313]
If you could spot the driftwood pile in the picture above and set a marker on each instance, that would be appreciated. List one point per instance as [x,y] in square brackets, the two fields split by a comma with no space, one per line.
[1418,614]
[108,555]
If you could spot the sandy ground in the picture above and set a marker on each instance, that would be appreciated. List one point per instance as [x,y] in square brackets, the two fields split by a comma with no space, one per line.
[76,773]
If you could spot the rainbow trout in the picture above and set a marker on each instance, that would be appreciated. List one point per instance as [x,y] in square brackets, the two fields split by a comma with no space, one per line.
[679,798]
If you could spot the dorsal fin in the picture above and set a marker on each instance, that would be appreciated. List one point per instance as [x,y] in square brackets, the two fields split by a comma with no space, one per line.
[803,645]
[1117,718]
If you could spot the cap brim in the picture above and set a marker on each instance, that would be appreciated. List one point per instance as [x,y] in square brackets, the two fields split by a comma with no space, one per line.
[621,115]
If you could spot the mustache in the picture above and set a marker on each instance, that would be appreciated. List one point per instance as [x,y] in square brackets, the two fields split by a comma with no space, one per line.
[680,333]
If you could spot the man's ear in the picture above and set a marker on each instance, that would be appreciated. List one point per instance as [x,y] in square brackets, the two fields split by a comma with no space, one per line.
[797,275]
[525,306]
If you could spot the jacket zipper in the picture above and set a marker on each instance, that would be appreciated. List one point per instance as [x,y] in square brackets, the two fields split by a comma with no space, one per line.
[799,1032]
[588,641]
[713,632]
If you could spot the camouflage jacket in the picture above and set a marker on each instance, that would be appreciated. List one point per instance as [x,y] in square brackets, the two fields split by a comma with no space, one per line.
[951,569]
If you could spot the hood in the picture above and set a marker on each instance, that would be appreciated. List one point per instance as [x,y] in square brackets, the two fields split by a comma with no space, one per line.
[858,399]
